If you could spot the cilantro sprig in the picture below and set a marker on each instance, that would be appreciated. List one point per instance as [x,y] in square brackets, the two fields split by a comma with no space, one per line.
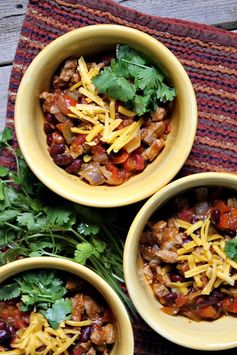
[36,222]
[132,79]
[40,291]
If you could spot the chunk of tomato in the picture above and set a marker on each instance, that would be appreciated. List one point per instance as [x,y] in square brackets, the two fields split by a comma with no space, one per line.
[208,312]
[120,157]
[64,101]
[229,220]
[222,207]
[232,307]
[181,300]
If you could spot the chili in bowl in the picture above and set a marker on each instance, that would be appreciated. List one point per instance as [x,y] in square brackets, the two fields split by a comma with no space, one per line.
[102,112]
[180,259]
[107,118]
[55,306]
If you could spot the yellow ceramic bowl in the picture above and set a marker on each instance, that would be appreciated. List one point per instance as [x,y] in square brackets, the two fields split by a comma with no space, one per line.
[29,117]
[124,343]
[204,335]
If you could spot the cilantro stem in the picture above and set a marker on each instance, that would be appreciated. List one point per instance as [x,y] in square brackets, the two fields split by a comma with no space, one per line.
[138,65]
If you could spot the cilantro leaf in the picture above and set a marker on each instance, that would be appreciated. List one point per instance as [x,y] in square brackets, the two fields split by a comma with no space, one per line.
[27,219]
[165,93]
[6,237]
[114,86]
[59,216]
[7,292]
[83,252]
[146,78]
[124,52]
[231,248]
[88,229]
[61,310]
[99,247]
[3,171]
[8,215]
[6,135]
[140,104]
[120,68]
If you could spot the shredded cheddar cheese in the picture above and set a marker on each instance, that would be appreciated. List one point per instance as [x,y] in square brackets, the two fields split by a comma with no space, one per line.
[205,256]
[40,338]
[100,112]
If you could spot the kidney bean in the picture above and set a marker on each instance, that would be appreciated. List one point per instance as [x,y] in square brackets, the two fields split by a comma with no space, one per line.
[215,216]
[62,159]
[170,297]
[55,149]
[4,334]
[176,278]
[48,127]
[194,219]
[74,167]
[85,334]
[57,138]
[3,325]
[49,139]
[50,118]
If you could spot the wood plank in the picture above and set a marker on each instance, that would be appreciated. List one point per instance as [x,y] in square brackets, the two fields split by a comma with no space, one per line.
[11,19]
[4,80]
[208,12]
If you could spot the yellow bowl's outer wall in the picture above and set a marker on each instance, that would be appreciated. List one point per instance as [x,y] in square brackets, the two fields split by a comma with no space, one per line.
[217,335]
[29,116]
[124,344]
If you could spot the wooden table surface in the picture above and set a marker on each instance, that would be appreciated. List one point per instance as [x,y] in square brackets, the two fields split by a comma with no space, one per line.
[221,13]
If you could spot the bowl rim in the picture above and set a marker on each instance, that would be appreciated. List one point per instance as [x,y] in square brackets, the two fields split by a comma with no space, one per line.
[151,205]
[121,199]
[45,262]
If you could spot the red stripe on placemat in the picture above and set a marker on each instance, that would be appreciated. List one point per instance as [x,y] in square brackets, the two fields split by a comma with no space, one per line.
[208,54]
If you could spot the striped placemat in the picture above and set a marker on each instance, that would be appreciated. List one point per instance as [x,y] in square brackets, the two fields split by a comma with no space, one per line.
[208,54]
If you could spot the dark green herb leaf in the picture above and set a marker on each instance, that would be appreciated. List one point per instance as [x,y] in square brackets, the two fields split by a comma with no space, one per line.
[6,135]
[123,51]
[59,216]
[61,310]
[88,229]
[83,252]
[8,215]
[27,219]
[3,171]
[8,292]
[231,248]
[114,86]
[164,93]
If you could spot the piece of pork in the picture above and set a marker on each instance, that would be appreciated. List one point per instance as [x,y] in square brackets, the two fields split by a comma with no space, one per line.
[152,152]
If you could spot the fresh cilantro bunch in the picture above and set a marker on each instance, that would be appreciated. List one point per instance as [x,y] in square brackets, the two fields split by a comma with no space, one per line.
[36,222]
[131,78]
[40,291]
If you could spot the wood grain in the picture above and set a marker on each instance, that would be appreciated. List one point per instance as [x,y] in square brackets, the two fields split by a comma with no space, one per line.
[210,12]
[4,80]
[11,19]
